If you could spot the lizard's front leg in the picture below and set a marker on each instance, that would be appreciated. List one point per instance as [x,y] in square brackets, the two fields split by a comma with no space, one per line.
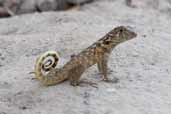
[100,68]
[103,68]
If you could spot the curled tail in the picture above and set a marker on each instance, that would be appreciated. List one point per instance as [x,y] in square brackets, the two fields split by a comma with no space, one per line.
[45,63]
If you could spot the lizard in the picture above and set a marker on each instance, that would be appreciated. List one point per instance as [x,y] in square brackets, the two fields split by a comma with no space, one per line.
[98,53]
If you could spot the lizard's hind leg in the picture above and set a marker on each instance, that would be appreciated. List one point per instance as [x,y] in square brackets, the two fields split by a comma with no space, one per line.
[75,74]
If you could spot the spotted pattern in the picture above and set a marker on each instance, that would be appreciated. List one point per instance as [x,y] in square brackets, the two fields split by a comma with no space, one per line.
[97,53]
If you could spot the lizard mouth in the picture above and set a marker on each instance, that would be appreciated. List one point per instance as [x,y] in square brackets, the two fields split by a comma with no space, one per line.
[133,34]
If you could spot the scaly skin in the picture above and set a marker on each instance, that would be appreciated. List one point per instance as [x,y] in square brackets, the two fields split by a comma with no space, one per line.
[98,53]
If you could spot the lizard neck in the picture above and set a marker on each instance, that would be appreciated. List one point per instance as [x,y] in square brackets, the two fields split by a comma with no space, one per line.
[108,42]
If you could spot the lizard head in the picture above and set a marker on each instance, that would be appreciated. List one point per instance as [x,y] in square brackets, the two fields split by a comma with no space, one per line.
[123,33]
[116,36]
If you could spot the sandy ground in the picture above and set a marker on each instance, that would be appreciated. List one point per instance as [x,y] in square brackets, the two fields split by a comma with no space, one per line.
[142,65]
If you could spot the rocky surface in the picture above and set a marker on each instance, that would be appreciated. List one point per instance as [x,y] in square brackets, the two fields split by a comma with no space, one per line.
[13,7]
[142,65]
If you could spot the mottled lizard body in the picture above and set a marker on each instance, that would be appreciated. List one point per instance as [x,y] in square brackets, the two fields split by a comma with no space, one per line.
[98,53]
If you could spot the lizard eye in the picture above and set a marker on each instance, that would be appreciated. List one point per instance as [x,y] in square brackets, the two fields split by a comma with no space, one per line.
[121,30]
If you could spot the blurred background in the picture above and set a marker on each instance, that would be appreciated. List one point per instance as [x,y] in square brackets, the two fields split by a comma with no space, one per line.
[15,7]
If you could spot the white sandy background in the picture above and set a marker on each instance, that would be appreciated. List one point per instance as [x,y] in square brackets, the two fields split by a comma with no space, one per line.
[143,65]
